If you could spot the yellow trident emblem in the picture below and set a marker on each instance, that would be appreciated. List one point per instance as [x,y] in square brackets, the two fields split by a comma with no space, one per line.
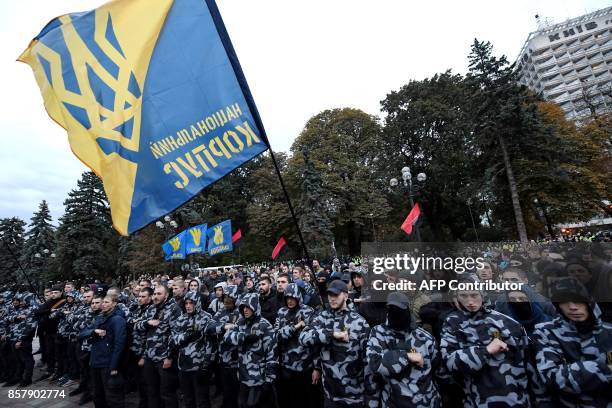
[218,238]
[175,243]
[196,234]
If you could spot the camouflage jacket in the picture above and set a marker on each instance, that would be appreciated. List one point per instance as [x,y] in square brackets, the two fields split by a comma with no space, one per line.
[138,340]
[487,379]
[64,328]
[85,319]
[575,365]
[196,350]
[228,353]
[6,311]
[23,325]
[158,343]
[404,384]
[292,355]
[342,364]
[255,340]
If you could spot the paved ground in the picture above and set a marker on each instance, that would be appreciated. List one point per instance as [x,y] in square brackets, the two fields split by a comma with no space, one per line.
[56,401]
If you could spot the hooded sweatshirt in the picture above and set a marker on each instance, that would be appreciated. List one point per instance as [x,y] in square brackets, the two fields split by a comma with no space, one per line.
[256,343]
[293,355]
[196,350]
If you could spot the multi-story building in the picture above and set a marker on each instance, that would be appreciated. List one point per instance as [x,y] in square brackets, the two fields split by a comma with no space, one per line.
[571,63]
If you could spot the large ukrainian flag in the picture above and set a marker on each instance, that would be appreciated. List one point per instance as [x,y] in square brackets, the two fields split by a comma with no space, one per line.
[153,99]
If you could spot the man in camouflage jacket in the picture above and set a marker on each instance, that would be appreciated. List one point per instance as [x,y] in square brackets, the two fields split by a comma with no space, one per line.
[341,335]
[574,351]
[22,329]
[67,367]
[295,360]
[6,309]
[82,318]
[160,370]
[196,352]
[257,364]
[487,351]
[228,353]
[137,341]
[404,357]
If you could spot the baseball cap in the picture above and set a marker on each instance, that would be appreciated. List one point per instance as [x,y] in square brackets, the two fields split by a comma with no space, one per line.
[337,286]
[398,299]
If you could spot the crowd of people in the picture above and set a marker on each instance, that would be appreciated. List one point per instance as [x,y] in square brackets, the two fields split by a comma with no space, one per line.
[311,336]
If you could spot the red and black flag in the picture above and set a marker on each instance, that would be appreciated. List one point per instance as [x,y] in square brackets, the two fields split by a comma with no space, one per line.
[279,246]
[237,235]
[412,219]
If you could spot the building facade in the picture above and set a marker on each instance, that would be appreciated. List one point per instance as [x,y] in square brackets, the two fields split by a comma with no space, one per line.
[571,63]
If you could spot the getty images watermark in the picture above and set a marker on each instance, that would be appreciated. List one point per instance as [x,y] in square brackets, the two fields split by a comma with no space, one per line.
[384,267]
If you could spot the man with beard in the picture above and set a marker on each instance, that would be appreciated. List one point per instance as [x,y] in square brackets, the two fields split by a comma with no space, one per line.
[295,360]
[257,363]
[137,346]
[341,335]
[574,351]
[268,299]
[160,369]
[488,351]
[227,373]
[404,357]
[107,341]
[195,352]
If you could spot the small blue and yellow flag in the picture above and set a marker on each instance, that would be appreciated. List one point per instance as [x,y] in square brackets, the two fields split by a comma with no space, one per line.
[175,247]
[153,99]
[220,238]
[196,239]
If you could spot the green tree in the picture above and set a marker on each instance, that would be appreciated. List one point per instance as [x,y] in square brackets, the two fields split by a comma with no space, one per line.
[40,243]
[502,118]
[87,244]
[11,249]
[343,145]
[428,128]
[313,219]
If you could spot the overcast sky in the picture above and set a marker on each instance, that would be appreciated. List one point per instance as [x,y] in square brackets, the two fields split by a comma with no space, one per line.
[300,57]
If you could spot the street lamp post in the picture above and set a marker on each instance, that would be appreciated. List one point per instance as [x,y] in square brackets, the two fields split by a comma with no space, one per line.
[45,256]
[412,189]
[168,227]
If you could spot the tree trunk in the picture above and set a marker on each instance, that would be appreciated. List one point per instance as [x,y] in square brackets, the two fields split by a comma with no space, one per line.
[516,205]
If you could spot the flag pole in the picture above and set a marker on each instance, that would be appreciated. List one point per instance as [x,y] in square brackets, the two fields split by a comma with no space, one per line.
[25,275]
[295,220]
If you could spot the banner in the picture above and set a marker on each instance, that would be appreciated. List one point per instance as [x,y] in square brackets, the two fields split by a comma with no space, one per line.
[220,238]
[153,99]
[175,247]
[196,239]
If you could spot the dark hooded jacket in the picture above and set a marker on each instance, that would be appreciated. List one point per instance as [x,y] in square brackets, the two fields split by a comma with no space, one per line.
[228,353]
[292,355]
[196,350]
[404,385]
[487,379]
[256,343]
[343,364]
[528,314]
[573,359]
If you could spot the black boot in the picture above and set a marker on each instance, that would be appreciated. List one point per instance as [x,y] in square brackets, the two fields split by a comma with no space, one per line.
[25,383]
[78,390]
[85,398]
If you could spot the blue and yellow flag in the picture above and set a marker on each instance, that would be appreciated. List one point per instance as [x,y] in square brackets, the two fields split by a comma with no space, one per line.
[153,99]
[220,238]
[175,247]
[196,239]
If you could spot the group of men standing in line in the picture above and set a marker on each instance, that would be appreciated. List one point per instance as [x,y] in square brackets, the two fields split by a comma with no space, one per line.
[274,341]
